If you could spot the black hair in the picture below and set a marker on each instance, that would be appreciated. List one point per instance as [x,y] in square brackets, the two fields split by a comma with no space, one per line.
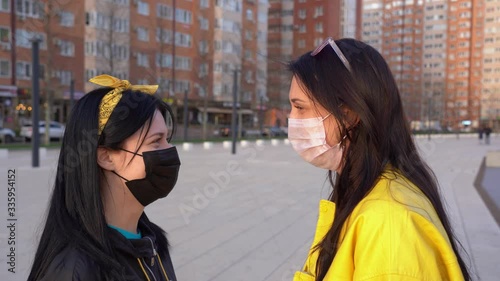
[75,216]
[380,137]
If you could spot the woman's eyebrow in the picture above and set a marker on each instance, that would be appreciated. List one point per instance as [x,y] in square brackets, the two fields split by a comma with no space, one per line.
[296,100]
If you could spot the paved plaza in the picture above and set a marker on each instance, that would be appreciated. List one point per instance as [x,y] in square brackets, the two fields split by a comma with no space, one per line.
[252,216]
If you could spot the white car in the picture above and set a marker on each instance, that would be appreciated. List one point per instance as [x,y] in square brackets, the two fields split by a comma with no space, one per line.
[7,135]
[56,130]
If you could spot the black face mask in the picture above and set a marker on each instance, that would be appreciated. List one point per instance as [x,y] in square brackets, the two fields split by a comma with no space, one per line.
[162,168]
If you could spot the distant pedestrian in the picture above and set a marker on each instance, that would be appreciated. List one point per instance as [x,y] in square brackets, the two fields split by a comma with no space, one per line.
[384,219]
[487,132]
[115,159]
[480,131]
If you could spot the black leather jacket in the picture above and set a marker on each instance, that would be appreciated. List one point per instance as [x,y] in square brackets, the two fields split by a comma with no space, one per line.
[140,258]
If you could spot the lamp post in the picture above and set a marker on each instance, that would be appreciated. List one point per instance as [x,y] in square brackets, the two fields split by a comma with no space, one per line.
[35,127]
[234,114]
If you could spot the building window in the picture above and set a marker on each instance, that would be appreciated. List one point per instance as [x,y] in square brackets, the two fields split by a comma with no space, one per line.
[66,19]
[204,24]
[204,3]
[183,16]
[249,15]
[5,5]
[164,60]
[248,35]
[203,47]
[4,68]
[318,41]
[142,34]
[23,38]
[302,28]
[23,70]
[301,44]
[163,35]
[4,35]
[182,39]
[143,8]
[182,63]
[66,48]
[142,60]
[63,75]
[319,27]
[29,8]
[203,71]
[164,11]
[318,11]
[302,13]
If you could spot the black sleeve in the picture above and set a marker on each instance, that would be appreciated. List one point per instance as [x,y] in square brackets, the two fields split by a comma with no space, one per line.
[70,265]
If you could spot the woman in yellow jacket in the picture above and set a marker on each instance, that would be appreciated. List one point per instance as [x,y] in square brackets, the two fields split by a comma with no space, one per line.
[385,219]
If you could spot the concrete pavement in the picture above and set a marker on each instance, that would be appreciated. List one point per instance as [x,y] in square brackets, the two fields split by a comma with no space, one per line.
[252,216]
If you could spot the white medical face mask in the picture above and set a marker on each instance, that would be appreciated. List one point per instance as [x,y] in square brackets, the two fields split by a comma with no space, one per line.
[308,139]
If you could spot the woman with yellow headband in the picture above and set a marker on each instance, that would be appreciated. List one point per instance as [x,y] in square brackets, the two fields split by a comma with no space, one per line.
[115,159]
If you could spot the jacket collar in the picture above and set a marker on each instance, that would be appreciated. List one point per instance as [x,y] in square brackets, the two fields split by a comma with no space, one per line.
[145,247]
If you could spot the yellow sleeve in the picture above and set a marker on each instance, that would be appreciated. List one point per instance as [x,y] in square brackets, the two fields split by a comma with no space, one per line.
[386,241]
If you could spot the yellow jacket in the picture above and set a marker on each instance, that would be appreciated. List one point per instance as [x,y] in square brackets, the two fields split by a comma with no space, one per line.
[394,233]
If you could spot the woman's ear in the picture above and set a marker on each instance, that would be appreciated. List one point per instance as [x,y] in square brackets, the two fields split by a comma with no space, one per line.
[104,159]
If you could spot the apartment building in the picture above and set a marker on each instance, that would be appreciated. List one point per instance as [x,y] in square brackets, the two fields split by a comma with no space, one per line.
[60,26]
[490,96]
[298,26]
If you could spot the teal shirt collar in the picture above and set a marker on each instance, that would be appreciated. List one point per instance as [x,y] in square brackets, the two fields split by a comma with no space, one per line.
[127,234]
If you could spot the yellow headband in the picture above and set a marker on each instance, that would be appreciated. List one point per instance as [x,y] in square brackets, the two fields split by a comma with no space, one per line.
[111,99]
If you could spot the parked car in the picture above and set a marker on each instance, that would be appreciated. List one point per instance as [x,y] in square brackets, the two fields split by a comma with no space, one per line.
[56,130]
[7,135]
[274,132]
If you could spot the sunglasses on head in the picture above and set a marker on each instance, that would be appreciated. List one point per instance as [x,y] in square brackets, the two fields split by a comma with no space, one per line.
[336,49]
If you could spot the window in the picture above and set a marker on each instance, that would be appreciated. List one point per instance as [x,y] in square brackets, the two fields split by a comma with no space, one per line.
[249,15]
[248,55]
[4,68]
[164,11]
[66,48]
[203,70]
[163,35]
[204,24]
[318,11]
[142,60]
[182,39]
[63,75]
[182,63]
[302,13]
[23,70]
[142,34]
[23,38]
[5,5]
[204,3]
[249,76]
[29,8]
[164,60]
[301,44]
[183,16]
[319,27]
[318,41]
[203,47]
[66,19]
[143,81]
[143,8]
[182,86]
[4,35]
[248,35]
[302,28]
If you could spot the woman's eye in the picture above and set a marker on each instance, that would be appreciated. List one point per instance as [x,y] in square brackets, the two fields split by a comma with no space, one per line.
[157,140]
[298,107]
